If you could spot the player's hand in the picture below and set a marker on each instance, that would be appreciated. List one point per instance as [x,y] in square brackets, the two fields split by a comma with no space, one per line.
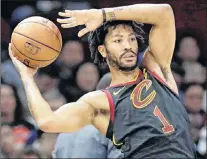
[92,19]
[22,69]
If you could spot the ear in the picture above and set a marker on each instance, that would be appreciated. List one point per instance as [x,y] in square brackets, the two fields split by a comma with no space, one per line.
[102,50]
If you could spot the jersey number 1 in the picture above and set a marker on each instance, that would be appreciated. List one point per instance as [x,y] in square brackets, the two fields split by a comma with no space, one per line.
[167,128]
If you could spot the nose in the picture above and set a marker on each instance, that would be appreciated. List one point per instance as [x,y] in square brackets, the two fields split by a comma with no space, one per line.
[127,46]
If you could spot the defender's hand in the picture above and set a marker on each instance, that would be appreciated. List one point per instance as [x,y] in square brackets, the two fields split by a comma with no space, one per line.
[92,19]
[22,69]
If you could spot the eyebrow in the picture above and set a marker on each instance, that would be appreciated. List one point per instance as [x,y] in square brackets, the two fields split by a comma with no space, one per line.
[118,35]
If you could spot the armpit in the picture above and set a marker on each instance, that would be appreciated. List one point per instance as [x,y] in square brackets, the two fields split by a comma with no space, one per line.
[166,73]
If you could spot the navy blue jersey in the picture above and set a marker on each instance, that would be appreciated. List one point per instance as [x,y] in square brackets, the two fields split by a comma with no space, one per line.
[148,119]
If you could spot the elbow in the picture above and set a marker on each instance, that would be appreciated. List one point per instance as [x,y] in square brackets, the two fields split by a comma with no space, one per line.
[46,126]
[167,14]
[167,9]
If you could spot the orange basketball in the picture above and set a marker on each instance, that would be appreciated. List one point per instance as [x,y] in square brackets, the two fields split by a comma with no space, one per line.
[36,41]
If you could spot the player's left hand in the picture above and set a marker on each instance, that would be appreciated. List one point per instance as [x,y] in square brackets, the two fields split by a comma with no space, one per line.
[92,19]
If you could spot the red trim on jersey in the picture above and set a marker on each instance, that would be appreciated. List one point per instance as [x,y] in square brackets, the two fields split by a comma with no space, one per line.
[161,80]
[128,83]
[111,104]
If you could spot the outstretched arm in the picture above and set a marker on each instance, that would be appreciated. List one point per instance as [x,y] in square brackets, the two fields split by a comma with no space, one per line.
[68,118]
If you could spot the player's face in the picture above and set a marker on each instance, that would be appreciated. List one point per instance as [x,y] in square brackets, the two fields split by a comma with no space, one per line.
[121,48]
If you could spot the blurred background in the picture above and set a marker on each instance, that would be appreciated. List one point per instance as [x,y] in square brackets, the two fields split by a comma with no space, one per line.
[74,74]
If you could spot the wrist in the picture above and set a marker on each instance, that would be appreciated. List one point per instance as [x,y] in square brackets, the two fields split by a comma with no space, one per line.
[103,15]
[110,14]
[26,78]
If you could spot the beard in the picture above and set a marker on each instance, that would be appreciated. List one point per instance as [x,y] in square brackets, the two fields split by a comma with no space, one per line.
[116,62]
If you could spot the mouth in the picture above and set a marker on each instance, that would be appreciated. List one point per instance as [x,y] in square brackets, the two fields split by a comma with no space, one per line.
[129,55]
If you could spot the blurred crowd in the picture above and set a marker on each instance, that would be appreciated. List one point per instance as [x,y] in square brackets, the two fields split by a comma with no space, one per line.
[73,74]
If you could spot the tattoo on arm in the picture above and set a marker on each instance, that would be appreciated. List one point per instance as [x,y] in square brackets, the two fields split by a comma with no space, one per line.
[111,15]
[118,8]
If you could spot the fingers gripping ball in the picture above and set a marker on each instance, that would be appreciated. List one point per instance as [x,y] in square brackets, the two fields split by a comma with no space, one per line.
[36,41]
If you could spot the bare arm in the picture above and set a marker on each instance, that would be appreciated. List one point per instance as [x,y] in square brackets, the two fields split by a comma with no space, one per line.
[145,13]
[68,118]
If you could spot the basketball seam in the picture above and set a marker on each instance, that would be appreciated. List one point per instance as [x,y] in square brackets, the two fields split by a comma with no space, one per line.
[45,26]
[30,57]
[36,41]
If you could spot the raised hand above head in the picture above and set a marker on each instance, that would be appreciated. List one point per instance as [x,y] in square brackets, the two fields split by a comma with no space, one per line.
[92,19]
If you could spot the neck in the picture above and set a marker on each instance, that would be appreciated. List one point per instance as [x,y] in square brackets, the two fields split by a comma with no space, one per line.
[119,77]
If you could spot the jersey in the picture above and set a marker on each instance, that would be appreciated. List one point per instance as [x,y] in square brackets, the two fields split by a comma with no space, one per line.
[147,119]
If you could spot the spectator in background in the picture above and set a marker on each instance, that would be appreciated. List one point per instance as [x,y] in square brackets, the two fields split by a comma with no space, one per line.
[201,148]
[47,144]
[204,100]
[30,152]
[47,79]
[104,82]
[72,55]
[11,76]
[20,13]
[87,142]
[9,72]
[193,96]
[178,74]
[189,51]
[11,107]
[16,130]
[7,142]
[86,76]
[54,100]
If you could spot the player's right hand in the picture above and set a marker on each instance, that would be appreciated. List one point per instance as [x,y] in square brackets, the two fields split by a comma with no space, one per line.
[92,19]
[23,70]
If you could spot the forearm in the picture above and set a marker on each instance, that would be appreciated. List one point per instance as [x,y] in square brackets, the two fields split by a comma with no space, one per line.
[38,107]
[153,14]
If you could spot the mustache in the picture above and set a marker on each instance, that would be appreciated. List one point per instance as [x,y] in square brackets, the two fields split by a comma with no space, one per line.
[127,51]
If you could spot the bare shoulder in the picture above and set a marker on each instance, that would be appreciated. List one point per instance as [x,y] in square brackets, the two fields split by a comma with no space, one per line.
[165,74]
[97,99]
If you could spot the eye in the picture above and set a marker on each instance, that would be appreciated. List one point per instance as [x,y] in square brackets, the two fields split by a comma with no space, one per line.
[133,39]
[117,41]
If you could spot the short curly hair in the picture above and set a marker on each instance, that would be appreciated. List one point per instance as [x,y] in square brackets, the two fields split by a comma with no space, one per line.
[97,37]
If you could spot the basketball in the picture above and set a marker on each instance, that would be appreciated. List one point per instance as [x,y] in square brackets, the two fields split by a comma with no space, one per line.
[36,41]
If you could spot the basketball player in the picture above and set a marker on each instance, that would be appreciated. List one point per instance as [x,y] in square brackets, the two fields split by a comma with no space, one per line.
[140,111]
